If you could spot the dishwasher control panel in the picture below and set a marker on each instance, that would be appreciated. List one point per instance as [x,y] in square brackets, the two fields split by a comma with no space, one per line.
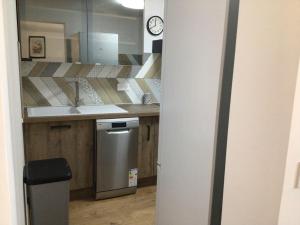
[121,123]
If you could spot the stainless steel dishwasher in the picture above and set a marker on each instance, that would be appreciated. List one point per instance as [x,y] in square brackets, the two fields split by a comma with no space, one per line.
[116,157]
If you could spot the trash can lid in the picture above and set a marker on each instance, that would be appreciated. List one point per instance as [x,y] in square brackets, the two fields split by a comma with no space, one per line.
[47,171]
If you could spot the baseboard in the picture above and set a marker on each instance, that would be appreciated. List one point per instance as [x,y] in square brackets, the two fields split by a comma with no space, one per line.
[147,181]
[82,194]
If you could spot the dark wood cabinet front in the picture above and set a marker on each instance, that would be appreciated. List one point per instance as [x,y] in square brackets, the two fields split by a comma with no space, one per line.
[72,140]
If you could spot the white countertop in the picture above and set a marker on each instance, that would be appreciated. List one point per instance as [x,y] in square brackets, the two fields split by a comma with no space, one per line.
[54,111]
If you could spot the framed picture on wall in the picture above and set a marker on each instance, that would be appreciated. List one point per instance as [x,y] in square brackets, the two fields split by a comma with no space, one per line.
[37,47]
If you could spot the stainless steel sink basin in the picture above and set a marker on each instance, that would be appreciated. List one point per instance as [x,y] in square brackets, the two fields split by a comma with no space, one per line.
[70,110]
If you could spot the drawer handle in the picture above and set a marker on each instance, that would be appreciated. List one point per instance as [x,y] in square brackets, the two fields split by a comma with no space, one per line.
[54,127]
[149,129]
[118,131]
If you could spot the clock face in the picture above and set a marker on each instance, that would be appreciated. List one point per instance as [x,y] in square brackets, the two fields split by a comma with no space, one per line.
[155,25]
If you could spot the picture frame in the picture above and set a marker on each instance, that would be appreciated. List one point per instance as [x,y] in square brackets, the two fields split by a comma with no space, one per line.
[37,47]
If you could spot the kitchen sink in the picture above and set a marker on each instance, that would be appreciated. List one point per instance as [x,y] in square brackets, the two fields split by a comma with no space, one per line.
[49,111]
[102,109]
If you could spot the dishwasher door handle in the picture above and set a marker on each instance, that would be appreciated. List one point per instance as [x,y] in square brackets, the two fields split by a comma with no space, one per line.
[118,131]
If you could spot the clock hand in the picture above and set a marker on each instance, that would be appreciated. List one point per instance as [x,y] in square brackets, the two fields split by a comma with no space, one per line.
[152,26]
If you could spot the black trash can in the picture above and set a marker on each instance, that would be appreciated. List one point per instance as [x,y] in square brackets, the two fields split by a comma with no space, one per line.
[47,184]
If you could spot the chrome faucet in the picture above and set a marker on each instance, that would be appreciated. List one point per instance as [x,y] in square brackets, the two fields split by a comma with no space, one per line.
[77,95]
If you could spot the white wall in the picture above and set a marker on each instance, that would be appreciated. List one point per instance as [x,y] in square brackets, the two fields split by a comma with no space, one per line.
[262,100]
[290,205]
[192,60]
[152,8]
[11,142]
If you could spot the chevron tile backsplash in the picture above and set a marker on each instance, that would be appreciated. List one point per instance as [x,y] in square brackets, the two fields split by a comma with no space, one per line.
[52,84]
[150,69]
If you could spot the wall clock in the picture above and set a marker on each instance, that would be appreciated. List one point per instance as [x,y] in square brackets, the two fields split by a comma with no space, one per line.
[155,25]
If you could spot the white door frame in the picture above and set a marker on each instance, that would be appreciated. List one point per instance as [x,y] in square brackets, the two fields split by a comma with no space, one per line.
[11,135]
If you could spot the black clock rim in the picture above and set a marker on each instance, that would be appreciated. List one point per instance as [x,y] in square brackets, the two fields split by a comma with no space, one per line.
[149,28]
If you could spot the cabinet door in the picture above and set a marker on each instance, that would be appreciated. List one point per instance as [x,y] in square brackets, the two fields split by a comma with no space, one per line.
[71,140]
[147,154]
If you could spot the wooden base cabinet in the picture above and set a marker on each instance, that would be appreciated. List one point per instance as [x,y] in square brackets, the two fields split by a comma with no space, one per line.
[72,140]
[148,146]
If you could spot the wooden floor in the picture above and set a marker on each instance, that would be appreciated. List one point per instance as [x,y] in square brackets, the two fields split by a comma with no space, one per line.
[138,209]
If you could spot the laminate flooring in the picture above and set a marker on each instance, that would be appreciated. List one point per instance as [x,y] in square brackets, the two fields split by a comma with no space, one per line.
[138,209]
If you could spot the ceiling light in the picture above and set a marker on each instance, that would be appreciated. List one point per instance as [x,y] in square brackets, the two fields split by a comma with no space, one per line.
[132,4]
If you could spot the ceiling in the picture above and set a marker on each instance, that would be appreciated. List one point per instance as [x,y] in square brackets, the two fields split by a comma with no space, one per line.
[97,6]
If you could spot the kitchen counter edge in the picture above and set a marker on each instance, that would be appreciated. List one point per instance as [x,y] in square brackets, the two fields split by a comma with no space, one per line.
[132,111]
